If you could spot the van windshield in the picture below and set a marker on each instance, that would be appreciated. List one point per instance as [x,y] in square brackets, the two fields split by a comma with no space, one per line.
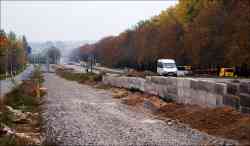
[169,65]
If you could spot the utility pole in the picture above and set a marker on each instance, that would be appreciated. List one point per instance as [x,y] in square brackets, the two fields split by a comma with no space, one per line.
[1,55]
[47,62]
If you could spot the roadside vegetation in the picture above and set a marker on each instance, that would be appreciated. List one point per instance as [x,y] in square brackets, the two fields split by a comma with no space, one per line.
[14,53]
[20,118]
[84,78]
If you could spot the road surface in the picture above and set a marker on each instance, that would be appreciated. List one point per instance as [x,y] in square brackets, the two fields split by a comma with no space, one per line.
[77,114]
[80,69]
[7,85]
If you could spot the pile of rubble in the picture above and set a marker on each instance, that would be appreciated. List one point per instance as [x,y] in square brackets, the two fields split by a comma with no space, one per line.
[20,119]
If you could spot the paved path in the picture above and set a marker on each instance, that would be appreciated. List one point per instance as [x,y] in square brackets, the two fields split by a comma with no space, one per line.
[79,114]
[7,85]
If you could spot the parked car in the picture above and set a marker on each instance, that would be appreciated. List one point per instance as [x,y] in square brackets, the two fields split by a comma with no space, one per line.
[166,67]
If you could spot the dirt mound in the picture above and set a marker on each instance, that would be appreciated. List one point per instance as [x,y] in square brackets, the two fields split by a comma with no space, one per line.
[134,99]
[119,93]
[224,121]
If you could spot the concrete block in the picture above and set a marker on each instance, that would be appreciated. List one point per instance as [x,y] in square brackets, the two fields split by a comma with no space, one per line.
[159,90]
[211,99]
[198,97]
[231,100]
[233,88]
[202,98]
[149,87]
[194,84]
[245,87]
[141,84]
[180,83]
[158,79]
[180,92]
[172,81]
[192,95]
[219,100]
[206,86]
[245,100]
[220,88]
[172,90]
[244,109]
[163,91]
[186,83]
[187,92]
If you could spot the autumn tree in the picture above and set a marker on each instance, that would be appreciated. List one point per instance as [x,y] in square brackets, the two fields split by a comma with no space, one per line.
[201,33]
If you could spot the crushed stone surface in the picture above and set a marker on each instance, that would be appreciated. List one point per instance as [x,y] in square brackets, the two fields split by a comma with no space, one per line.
[76,114]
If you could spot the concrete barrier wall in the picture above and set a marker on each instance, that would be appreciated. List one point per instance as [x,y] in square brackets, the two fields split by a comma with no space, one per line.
[189,91]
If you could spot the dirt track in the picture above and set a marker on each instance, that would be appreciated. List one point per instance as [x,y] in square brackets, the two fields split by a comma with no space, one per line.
[79,114]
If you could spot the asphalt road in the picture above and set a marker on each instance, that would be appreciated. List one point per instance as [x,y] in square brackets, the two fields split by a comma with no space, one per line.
[80,69]
[7,85]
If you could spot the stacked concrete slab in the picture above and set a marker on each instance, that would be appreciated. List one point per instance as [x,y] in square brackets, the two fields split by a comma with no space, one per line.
[189,91]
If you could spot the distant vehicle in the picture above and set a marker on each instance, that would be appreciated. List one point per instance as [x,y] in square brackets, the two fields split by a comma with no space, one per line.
[166,67]
[73,63]
[70,63]
[227,72]
[183,70]
[77,64]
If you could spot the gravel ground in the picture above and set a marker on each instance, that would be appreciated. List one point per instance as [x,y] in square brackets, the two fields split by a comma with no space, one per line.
[77,114]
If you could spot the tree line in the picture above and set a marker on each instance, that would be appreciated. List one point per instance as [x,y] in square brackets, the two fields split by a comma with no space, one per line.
[14,52]
[200,33]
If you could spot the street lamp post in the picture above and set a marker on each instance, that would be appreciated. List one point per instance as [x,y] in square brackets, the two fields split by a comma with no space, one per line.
[1,55]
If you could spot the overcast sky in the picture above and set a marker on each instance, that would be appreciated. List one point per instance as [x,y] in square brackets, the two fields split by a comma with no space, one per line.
[71,21]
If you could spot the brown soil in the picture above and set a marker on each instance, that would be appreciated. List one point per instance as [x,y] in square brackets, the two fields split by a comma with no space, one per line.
[119,93]
[224,121]
[29,88]
[133,99]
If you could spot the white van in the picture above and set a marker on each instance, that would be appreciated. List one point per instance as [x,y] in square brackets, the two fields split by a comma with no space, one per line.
[166,67]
